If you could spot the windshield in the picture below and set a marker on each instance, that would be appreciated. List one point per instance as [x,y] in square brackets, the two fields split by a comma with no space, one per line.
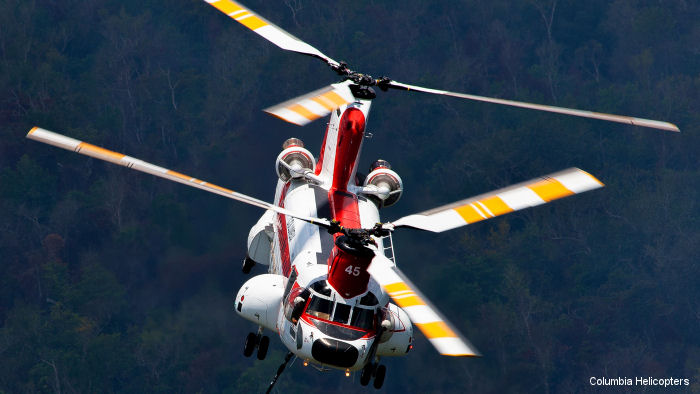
[342,313]
[363,318]
[350,319]
[357,317]
[320,307]
[338,331]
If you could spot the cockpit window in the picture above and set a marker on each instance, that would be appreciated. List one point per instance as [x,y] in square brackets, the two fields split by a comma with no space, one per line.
[369,299]
[320,307]
[362,318]
[359,317]
[322,287]
[342,313]
[290,282]
[296,301]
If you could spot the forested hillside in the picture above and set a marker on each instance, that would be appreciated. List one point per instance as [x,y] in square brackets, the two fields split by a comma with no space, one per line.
[114,281]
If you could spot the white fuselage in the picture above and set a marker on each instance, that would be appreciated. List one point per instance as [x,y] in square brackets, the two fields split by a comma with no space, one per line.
[300,254]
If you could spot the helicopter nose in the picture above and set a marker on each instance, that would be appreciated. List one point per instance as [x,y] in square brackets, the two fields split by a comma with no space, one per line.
[334,352]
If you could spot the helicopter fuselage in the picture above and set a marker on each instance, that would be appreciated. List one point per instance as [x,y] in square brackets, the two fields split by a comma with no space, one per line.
[330,309]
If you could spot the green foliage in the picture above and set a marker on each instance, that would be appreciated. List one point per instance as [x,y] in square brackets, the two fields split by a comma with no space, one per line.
[29,183]
[116,282]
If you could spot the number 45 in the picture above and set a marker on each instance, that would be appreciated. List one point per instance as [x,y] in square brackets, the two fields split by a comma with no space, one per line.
[354,271]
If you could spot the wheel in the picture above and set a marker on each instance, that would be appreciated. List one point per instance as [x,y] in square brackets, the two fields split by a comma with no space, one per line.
[248,264]
[366,374]
[262,347]
[379,377]
[250,342]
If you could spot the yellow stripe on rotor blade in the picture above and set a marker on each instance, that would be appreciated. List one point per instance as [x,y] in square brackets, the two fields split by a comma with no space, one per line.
[252,22]
[325,103]
[496,205]
[550,189]
[469,214]
[84,146]
[436,329]
[219,188]
[405,302]
[178,175]
[396,287]
[226,6]
[335,98]
[247,18]
[301,110]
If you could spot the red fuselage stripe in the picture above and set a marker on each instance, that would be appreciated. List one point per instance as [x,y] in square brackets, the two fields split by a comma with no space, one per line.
[284,241]
[347,274]
[350,133]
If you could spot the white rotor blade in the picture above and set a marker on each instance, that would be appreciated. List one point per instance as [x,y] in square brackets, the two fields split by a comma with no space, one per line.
[441,334]
[304,109]
[61,141]
[267,29]
[523,195]
[568,111]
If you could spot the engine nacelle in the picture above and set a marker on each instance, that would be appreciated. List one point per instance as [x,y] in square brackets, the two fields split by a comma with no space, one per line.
[383,184]
[260,298]
[399,340]
[294,161]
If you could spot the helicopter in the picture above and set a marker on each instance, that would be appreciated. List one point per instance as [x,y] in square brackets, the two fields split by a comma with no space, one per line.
[333,293]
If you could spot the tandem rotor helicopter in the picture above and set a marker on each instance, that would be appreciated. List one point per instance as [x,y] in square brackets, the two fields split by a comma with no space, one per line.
[332,292]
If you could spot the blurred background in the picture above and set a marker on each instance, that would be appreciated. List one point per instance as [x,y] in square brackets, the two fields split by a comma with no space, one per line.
[115,281]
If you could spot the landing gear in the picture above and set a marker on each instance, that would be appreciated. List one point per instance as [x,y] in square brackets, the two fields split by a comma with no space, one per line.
[262,347]
[379,375]
[250,341]
[248,265]
[366,374]
[253,340]
[373,370]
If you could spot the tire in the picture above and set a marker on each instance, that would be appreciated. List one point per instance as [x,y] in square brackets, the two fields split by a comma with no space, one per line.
[262,347]
[366,374]
[379,376]
[250,342]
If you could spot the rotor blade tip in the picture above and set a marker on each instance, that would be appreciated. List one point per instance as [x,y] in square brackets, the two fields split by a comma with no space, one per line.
[284,119]
[669,126]
[655,124]
[592,177]
[666,126]
[465,355]
[32,130]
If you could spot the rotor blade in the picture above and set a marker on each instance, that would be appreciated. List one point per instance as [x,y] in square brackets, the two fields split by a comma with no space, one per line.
[61,141]
[304,109]
[267,29]
[568,111]
[446,339]
[523,195]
